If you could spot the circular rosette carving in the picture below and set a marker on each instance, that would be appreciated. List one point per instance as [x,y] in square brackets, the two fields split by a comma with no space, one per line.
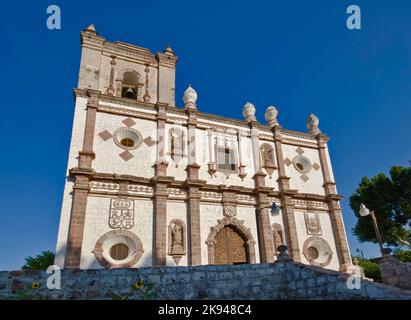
[127,138]
[230,211]
[129,240]
[317,251]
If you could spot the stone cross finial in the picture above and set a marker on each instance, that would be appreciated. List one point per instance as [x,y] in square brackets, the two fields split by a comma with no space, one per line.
[190,98]
[312,124]
[249,112]
[271,116]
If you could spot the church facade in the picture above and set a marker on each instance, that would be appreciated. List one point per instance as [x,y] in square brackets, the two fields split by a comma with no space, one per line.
[152,184]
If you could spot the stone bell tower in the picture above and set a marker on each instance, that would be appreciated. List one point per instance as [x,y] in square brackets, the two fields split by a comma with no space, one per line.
[143,76]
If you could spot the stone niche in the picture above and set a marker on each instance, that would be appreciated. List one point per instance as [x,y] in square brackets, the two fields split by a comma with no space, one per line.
[176,240]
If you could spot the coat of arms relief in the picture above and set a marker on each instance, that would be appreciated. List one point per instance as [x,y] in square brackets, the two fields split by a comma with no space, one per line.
[312,223]
[121,214]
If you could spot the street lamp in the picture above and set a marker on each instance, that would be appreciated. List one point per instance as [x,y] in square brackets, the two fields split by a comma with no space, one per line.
[275,211]
[364,211]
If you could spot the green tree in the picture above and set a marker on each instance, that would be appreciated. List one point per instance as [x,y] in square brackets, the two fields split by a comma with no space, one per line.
[403,255]
[390,198]
[371,269]
[40,262]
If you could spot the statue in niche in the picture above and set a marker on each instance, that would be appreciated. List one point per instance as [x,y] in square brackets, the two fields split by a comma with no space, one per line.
[176,239]
[176,138]
[267,158]
[177,246]
[277,237]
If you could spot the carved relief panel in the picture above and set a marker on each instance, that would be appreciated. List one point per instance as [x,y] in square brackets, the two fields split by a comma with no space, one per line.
[176,240]
[312,223]
[121,214]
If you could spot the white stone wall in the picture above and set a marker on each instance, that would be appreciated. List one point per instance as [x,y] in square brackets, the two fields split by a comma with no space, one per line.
[96,225]
[327,235]
[315,182]
[107,152]
[76,145]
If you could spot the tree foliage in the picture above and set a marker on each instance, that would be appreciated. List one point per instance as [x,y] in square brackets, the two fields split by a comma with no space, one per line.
[390,198]
[371,269]
[40,262]
[403,255]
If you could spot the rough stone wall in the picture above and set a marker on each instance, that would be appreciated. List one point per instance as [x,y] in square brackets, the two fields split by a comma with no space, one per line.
[395,273]
[281,280]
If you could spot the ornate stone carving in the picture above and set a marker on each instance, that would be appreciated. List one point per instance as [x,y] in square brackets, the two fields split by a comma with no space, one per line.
[176,240]
[278,236]
[249,112]
[312,124]
[121,214]
[312,223]
[230,211]
[243,231]
[111,238]
[190,98]
[271,116]
[127,133]
[267,158]
[317,251]
[176,140]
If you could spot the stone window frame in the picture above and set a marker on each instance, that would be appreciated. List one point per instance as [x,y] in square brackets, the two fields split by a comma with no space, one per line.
[100,254]
[297,159]
[234,155]
[171,152]
[119,83]
[117,141]
[324,247]
[238,225]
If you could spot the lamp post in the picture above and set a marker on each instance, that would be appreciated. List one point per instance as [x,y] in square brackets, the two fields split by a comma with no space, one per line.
[364,211]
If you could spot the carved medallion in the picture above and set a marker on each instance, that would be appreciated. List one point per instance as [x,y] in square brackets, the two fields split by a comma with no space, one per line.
[230,211]
[121,214]
[312,223]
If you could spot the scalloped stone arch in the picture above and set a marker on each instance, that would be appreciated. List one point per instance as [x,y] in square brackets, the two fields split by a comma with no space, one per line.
[238,225]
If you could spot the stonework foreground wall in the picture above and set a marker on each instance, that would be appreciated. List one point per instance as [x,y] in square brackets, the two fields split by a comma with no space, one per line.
[281,280]
[395,273]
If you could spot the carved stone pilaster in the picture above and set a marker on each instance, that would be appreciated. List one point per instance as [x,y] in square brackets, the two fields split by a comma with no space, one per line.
[77,217]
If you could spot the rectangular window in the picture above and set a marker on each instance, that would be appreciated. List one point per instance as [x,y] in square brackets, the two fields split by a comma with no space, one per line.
[226,159]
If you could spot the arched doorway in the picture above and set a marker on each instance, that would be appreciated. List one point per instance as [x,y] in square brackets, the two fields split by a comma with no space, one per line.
[230,247]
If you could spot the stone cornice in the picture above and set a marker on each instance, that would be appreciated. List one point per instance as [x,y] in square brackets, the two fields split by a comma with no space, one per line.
[203,119]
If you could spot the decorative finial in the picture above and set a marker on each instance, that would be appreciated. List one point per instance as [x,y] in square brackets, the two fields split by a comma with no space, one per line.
[190,98]
[271,116]
[249,112]
[91,29]
[169,51]
[312,124]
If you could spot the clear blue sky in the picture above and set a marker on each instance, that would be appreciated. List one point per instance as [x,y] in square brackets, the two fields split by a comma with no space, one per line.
[296,55]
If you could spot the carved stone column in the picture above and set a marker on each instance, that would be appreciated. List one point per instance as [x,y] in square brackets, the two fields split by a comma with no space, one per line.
[77,218]
[333,198]
[81,188]
[160,183]
[286,195]
[87,155]
[193,193]
[265,238]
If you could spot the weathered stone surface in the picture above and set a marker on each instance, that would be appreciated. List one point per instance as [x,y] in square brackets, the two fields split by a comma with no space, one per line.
[263,281]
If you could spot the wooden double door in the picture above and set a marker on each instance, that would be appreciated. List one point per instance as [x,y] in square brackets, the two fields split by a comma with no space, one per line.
[230,247]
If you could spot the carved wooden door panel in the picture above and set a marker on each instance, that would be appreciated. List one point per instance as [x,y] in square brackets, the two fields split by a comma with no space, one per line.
[230,247]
